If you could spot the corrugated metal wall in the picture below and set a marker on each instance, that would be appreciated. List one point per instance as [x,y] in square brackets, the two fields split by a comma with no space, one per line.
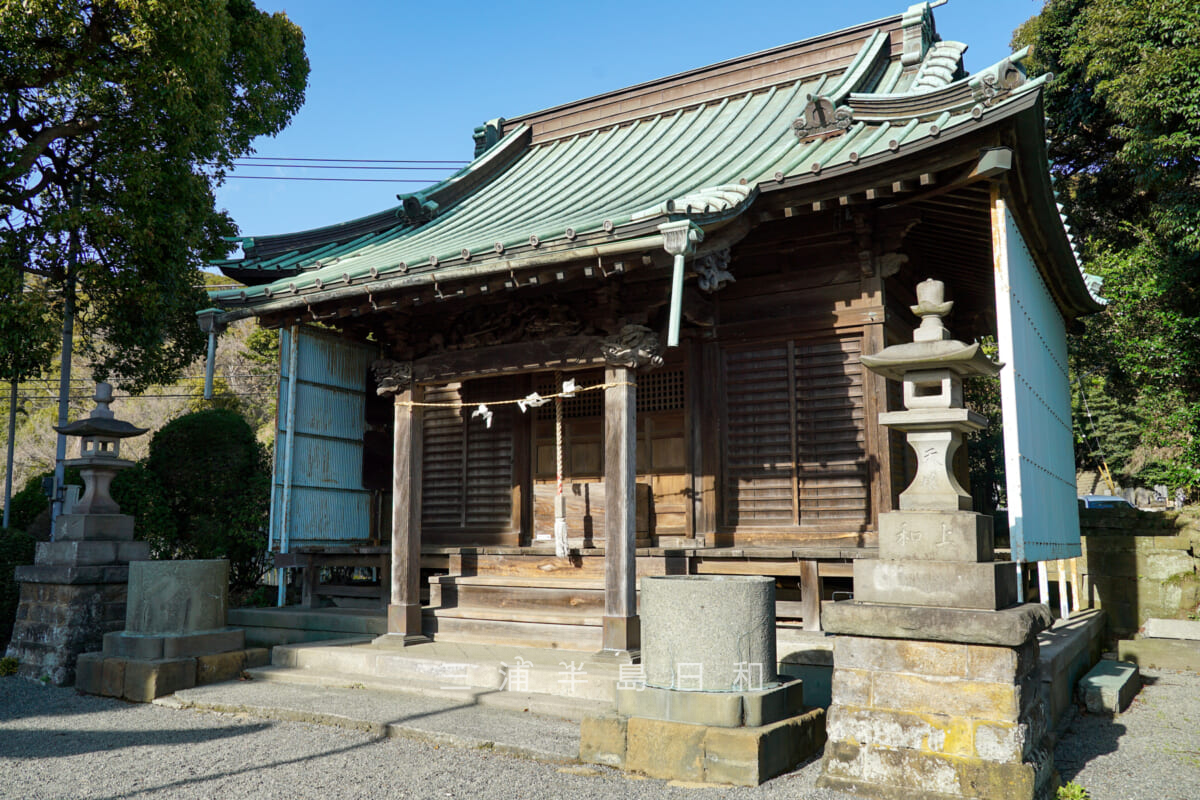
[1035,391]
[327,503]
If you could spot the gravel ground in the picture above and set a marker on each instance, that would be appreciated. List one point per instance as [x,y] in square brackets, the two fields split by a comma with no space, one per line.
[55,743]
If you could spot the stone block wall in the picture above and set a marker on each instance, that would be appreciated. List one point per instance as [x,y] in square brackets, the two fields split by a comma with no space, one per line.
[57,622]
[1140,564]
[981,740]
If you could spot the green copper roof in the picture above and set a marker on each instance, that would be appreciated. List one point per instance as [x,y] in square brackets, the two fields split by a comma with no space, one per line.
[705,162]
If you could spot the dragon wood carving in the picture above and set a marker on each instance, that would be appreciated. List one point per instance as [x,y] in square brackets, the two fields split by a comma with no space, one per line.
[634,346]
[391,376]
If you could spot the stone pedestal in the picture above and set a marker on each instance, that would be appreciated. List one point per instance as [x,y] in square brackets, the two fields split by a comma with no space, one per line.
[706,703]
[953,717]
[175,634]
[73,594]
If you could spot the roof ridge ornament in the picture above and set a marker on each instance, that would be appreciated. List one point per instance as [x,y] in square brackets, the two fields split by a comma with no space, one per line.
[416,209]
[919,32]
[998,80]
[821,117]
[706,200]
[941,67]
[488,134]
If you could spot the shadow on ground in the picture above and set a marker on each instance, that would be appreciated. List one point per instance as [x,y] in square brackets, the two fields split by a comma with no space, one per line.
[1088,737]
[57,743]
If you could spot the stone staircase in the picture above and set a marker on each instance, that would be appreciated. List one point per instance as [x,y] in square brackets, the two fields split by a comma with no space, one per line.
[538,680]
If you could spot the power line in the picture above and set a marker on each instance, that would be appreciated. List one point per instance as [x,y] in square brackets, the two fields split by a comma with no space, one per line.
[343,180]
[349,160]
[257,165]
[89,382]
[86,397]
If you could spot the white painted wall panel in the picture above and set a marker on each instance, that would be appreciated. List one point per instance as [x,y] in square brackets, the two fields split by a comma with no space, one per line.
[1039,456]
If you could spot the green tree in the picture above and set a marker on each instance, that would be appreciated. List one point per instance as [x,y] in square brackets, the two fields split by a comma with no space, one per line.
[1124,126]
[119,118]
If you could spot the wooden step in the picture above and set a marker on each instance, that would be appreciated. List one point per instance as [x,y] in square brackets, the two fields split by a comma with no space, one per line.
[537,582]
[549,615]
[538,565]
[517,601]
[587,638]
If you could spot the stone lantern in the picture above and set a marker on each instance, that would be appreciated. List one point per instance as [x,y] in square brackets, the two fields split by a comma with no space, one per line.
[936,691]
[99,461]
[75,590]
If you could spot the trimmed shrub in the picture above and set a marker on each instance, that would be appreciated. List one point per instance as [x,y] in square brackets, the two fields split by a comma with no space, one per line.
[137,492]
[210,495]
[16,549]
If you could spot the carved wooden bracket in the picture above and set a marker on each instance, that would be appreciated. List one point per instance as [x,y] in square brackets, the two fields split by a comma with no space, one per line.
[713,270]
[634,346]
[392,376]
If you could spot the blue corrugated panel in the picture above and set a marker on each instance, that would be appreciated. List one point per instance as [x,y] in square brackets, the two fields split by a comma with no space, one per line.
[327,503]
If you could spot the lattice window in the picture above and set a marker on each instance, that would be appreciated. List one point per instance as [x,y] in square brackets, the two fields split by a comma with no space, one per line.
[585,404]
[758,438]
[660,390]
[442,478]
[831,431]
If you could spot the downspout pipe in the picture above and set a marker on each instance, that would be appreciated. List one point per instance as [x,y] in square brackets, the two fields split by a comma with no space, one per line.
[680,240]
[209,322]
[289,441]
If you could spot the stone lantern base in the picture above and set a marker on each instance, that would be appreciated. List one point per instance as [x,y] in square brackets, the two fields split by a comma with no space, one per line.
[937,703]
[73,594]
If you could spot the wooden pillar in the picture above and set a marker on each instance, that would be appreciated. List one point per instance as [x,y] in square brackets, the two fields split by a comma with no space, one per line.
[622,633]
[404,610]
[704,425]
[810,594]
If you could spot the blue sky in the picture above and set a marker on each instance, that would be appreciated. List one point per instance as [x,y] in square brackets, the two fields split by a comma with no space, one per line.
[405,80]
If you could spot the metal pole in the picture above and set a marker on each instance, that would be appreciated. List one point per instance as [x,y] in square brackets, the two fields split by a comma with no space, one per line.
[12,434]
[288,451]
[210,363]
[64,381]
